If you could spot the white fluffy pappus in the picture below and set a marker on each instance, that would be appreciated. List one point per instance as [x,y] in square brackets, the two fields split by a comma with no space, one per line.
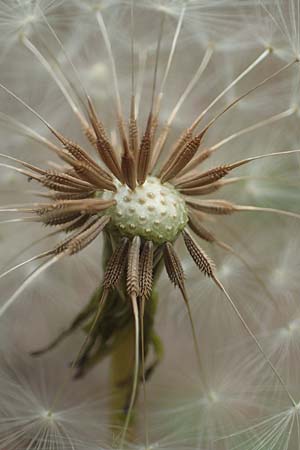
[40,410]
[25,16]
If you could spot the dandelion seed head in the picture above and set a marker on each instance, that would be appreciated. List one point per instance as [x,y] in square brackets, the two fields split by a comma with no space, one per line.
[138,181]
[153,211]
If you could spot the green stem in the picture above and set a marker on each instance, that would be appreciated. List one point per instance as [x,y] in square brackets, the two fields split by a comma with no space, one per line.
[121,376]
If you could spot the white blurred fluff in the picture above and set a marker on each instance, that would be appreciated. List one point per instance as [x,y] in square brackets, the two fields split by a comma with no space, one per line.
[40,410]
[23,16]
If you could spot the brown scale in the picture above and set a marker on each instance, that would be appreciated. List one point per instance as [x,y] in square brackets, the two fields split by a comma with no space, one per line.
[70,196]
[183,157]
[68,180]
[77,164]
[133,136]
[86,237]
[75,223]
[63,245]
[116,265]
[198,255]
[185,137]
[202,190]
[221,207]
[54,220]
[198,228]
[75,150]
[95,121]
[100,171]
[105,149]
[132,279]
[154,126]
[82,237]
[53,208]
[129,168]
[68,206]
[197,160]
[109,158]
[146,271]
[173,266]
[86,172]
[144,154]
[91,136]
[80,155]
[208,177]
[57,186]
[122,133]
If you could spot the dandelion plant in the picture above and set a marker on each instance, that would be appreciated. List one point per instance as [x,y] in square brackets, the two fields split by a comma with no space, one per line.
[167,131]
